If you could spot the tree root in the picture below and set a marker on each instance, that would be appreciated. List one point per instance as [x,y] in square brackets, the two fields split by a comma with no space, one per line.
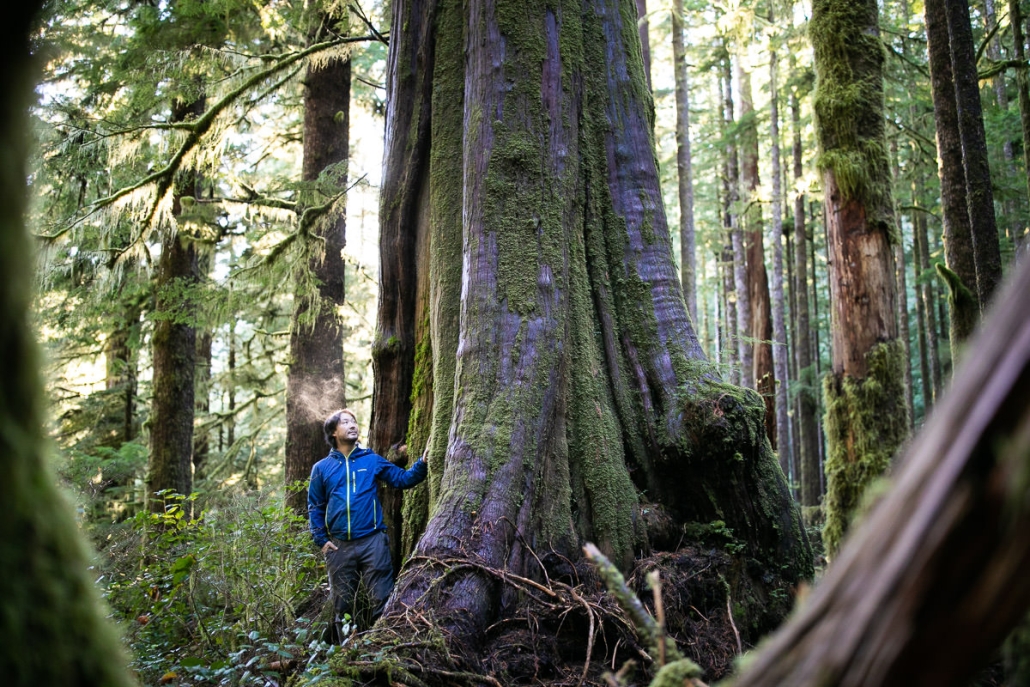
[564,627]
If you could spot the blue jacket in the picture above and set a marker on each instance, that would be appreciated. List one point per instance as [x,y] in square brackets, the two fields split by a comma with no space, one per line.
[342,501]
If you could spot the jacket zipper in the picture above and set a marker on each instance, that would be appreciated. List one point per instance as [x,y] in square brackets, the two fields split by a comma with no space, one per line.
[346,464]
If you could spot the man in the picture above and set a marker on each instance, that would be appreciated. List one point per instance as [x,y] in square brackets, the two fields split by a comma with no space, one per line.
[346,517]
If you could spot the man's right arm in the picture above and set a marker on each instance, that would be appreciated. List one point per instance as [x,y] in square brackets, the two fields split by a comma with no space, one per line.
[317,504]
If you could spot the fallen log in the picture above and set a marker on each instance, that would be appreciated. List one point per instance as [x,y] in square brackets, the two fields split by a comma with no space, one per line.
[938,573]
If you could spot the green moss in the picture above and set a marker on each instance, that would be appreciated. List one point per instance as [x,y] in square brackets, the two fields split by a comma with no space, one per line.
[848,104]
[676,674]
[866,422]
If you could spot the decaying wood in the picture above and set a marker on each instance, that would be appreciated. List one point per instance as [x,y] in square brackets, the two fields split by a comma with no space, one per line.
[937,574]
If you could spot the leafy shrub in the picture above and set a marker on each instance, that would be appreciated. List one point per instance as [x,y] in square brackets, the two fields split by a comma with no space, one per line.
[217,598]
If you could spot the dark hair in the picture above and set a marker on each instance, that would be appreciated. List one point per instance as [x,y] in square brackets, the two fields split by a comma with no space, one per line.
[329,428]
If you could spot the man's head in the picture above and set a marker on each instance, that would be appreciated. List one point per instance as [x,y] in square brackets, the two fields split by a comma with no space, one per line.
[341,426]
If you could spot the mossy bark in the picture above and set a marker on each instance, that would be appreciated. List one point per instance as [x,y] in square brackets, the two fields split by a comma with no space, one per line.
[865,414]
[53,629]
[866,421]
[568,390]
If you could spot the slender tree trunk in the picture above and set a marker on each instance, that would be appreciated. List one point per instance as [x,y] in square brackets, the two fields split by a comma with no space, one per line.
[121,363]
[684,167]
[230,384]
[742,303]
[761,332]
[903,329]
[959,254]
[174,350]
[562,358]
[732,256]
[1013,225]
[202,390]
[930,303]
[202,438]
[865,416]
[1019,52]
[778,307]
[979,194]
[808,427]
[922,317]
[315,385]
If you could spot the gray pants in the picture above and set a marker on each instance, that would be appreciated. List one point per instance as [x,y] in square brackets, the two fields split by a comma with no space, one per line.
[368,556]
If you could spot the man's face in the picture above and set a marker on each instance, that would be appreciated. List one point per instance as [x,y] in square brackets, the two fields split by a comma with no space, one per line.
[346,430]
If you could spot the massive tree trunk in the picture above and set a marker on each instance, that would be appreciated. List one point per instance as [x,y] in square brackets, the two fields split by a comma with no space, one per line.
[931,581]
[315,386]
[865,414]
[570,400]
[958,237]
[174,349]
[53,630]
[684,165]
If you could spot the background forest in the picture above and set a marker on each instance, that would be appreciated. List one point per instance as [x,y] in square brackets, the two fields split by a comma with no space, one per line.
[200,164]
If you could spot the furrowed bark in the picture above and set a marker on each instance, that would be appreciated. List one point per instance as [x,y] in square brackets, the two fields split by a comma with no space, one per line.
[402,229]
[567,379]
[958,242]
[979,195]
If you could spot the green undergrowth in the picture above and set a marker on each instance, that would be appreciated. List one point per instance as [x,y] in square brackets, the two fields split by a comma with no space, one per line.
[223,597]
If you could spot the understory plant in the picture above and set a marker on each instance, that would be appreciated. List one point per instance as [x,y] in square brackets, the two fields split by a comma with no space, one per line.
[232,595]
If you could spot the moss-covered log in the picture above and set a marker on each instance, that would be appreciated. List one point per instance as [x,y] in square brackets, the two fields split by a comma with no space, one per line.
[52,626]
[554,370]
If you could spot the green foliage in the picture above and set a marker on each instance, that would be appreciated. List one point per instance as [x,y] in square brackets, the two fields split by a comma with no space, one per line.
[216,597]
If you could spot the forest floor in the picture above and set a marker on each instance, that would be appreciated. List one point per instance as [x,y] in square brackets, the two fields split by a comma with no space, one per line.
[569,630]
